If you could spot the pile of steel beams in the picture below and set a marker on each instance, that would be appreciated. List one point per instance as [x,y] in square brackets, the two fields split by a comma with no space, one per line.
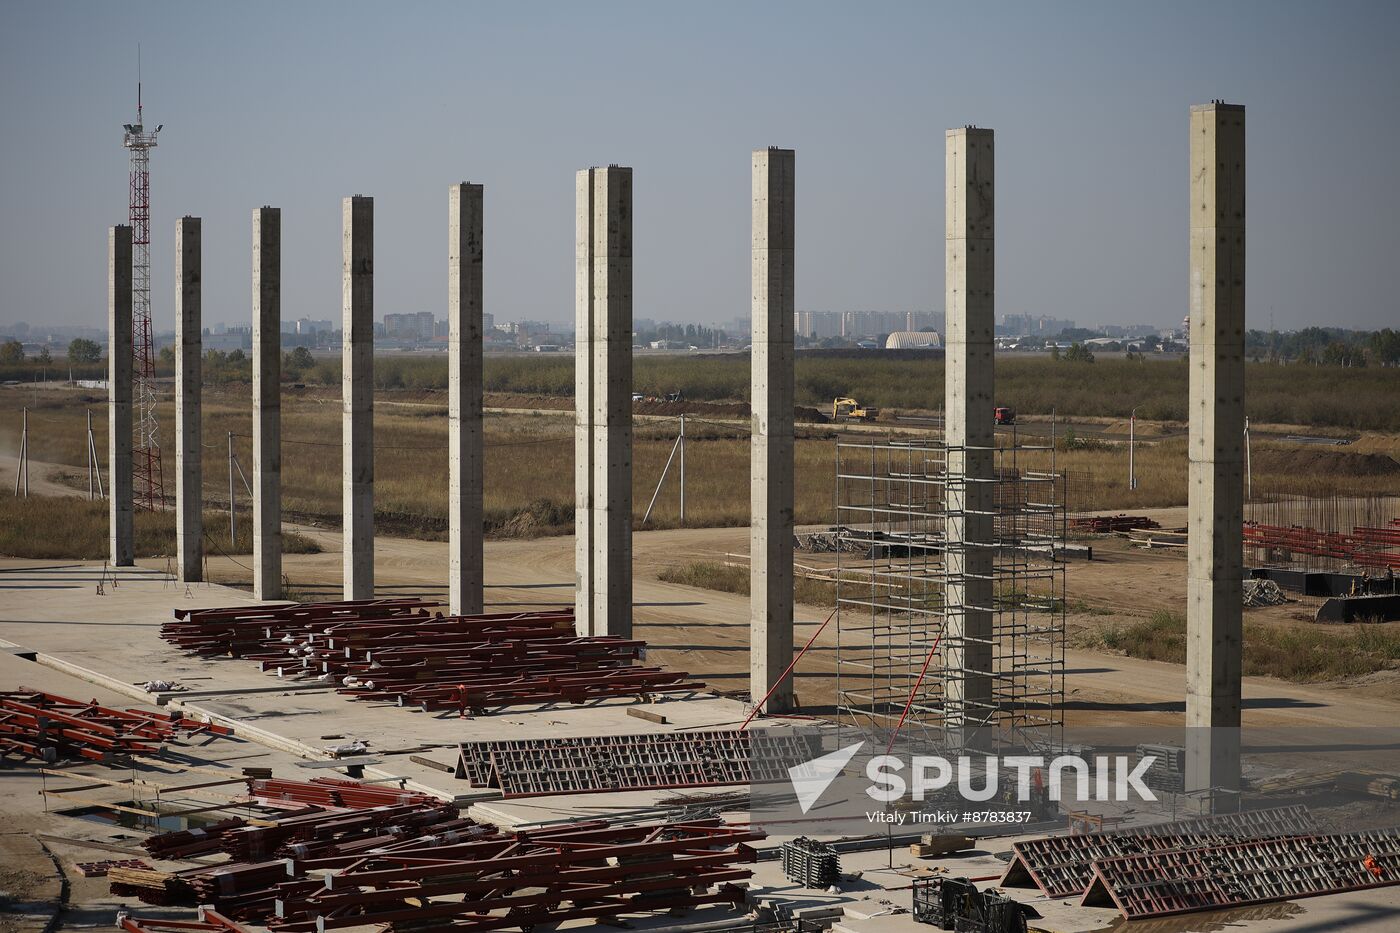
[328,823]
[51,728]
[1062,866]
[528,879]
[647,761]
[1256,872]
[1362,546]
[410,862]
[400,652]
[332,794]
[210,921]
[242,630]
[1107,524]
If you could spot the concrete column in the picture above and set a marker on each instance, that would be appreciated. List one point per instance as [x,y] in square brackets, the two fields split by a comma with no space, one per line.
[267,403]
[969,420]
[357,396]
[120,529]
[771,448]
[583,401]
[189,380]
[603,504]
[465,447]
[1214,555]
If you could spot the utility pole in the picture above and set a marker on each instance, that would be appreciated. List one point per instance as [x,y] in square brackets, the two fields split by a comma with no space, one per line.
[232,511]
[1248,469]
[1132,437]
[94,465]
[682,469]
[23,471]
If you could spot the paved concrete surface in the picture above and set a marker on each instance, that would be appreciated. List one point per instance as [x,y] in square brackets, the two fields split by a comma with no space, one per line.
[108,643]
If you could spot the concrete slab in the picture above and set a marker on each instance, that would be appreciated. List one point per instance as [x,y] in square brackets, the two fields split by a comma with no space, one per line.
[114,640]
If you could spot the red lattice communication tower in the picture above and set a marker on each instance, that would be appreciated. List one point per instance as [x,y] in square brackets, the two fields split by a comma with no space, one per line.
[147,480]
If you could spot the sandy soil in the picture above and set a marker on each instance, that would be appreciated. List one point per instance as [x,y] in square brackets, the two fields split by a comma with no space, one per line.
[45,479]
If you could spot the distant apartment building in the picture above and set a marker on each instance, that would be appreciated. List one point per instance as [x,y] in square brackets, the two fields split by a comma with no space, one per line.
[1033,325]
[306,327]
[818,325]
[1129,330]
[413,326]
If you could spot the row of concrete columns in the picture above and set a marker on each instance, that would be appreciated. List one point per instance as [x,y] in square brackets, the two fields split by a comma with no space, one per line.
[603,422]
[465,311]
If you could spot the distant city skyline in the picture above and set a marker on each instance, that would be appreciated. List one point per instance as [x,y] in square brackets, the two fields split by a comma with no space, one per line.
[298,105]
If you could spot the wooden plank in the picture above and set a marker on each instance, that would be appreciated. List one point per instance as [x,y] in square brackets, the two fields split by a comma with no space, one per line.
[341,762]
[430,763]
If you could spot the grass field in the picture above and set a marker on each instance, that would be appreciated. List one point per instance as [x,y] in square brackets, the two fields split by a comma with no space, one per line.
[727,578]
[529,462]
[1320,396]
[76,529]
[1309,654]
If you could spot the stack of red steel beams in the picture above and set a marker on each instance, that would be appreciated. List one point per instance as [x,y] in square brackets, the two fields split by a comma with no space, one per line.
[184,843]
[1363,546]
[100,869]
[1105,524]
[335,823]
[331,794]
[470,664]
[210,921]
[50,727]
[312,868]
[543,877]
[241,630]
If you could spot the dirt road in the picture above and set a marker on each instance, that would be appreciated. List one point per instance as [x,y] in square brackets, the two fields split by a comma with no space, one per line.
[45,479]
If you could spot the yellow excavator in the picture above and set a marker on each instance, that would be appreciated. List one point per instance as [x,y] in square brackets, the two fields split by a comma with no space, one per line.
[848,409]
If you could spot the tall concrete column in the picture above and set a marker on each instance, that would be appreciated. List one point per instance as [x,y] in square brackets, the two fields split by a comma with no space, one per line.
[465,447]
[771,448]
[357,396]
[1215,542]
[969,424]
[603,402]
[267,403]
[120,529]
[189,382]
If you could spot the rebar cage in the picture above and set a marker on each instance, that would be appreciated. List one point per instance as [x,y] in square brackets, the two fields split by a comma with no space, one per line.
[961,641]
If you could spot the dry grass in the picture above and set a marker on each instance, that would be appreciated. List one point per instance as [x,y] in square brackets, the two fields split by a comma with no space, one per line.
[529,463]
[727,578]
[76,529]
[1311,654]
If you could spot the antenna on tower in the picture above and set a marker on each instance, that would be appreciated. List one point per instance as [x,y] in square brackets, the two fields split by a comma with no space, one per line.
[146,467]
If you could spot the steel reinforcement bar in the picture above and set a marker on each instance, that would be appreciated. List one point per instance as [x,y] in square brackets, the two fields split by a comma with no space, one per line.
[647,761]
[1215,877]
[1061,866]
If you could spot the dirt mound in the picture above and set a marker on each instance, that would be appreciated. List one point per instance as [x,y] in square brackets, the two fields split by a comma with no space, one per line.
[1143,429]
[1323,460]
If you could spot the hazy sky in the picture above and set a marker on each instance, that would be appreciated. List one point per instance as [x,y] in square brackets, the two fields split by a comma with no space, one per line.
[299,104]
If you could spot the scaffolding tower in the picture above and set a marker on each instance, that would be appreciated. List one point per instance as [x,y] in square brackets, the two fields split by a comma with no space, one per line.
[148,487]
[897,597]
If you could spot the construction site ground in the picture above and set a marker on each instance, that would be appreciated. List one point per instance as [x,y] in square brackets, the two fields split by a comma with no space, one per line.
[67,639]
